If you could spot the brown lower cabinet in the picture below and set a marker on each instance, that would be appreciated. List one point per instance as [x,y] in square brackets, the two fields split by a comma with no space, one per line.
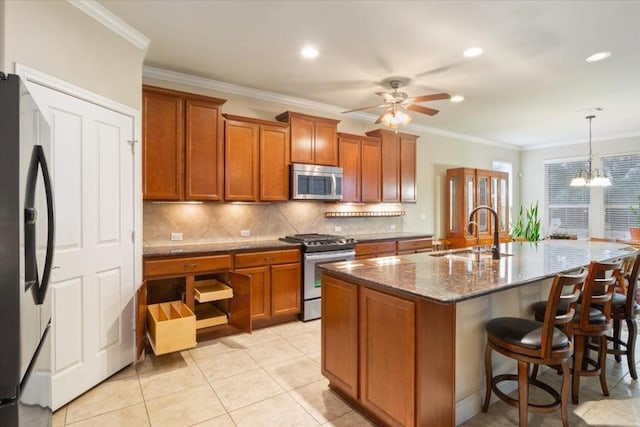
[375,249]
[390,355]
[276,281]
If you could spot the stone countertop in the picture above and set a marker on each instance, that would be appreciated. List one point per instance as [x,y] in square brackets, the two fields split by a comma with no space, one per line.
[449,278]
[213,248]
[400,235]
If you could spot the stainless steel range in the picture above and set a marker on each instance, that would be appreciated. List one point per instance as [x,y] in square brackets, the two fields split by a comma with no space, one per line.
[319,249]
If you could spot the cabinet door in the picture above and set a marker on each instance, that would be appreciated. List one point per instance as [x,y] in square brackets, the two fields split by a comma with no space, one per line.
[387,332]
[141,320]
[340,328]
[483,195]
[203,145]
[302,134]
[260,291]
[285,289]
[240,307]
[350,163]
[274,163]
[408,168]
[370,172]
[326,144]
[390,147]
[504,203]
[162,146]
[241,161]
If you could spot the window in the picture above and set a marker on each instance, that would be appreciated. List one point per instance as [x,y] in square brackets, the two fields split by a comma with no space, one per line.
[566,208]
[624,171]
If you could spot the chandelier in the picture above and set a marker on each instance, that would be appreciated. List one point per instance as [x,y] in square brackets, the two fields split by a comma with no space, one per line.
[590,178]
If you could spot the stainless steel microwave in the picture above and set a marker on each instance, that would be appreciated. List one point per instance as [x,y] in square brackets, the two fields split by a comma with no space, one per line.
[315,182]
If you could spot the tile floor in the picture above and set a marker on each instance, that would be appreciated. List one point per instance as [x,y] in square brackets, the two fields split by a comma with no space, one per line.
[272,378]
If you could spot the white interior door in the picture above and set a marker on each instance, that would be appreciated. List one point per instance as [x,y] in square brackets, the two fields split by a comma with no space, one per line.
[93,282]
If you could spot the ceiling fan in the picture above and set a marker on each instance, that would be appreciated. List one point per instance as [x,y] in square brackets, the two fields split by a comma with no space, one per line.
[395,102]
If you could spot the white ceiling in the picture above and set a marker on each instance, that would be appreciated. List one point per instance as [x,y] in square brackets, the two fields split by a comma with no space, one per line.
[529,88]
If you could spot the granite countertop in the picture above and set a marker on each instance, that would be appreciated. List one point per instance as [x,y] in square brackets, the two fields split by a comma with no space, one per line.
[213,248]
[448,277]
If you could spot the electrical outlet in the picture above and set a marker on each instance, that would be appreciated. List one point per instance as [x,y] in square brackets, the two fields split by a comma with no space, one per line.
[176,236]
[337,228]
[245,233]
[393,226]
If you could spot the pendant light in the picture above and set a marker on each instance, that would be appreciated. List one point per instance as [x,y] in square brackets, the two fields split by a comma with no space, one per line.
[590,178]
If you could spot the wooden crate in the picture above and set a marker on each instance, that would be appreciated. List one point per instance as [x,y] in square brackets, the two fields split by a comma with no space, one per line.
[211,290]
[209,315]
[171,327]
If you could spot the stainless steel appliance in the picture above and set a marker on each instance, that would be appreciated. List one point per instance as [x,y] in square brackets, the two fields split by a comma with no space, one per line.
[319,249]
[26,254]
[315,182]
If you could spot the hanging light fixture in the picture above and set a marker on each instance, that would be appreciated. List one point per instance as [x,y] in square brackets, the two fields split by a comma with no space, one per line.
[395,117]
[590,178]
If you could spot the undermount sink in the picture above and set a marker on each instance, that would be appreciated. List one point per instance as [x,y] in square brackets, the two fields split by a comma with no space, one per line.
[472,254]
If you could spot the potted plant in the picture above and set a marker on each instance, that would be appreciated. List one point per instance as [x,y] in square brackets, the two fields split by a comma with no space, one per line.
[527,225]
[635,231]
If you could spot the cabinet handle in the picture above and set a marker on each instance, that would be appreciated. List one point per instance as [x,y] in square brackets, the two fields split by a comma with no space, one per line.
[191,266]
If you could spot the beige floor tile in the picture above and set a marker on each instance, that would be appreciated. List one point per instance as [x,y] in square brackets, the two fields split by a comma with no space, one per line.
[60,417]
[185,374]
[297,328]
[274,352]
[127,372]
[244,389]
[351,419]
[277,411]
[133,416]
[106,397]
[227,365]
[221,421]
[245,341]
[212,348]
[318,400]
[317,357]
[308,343]
[295,373]
[614,412]
[152,365]
[185,408]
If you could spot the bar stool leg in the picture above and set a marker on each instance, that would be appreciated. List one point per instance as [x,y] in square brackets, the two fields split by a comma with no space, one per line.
[578,354]
[616,339]
[602,353]
[564,396]
[489,377]
[632,328]
[523,392]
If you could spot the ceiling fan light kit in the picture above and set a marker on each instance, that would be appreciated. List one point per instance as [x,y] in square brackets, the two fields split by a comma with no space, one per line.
[590,178]
[397,103]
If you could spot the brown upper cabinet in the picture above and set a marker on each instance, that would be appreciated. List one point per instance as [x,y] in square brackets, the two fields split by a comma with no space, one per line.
[360,159]
[181,145]
[313,139]
[398,165]
[256,160]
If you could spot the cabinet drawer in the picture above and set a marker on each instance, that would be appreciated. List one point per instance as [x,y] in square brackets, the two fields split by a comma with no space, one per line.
[208,315]
[171,327]
[414,245]
[382,248]
[255,259]
[211,290]
[186,265]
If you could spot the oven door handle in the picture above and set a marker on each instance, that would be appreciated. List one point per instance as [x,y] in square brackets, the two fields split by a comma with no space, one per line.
[329,255]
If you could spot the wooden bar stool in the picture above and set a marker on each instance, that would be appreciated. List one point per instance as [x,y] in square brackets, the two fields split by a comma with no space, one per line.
[538,343]
[625,308]
[593,315]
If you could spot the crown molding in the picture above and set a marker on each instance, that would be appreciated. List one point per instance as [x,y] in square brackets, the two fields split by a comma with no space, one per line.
[555,144]
[112,22]
[219,86]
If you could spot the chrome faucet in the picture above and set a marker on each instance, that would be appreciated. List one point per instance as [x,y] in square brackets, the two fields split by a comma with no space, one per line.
[495,250]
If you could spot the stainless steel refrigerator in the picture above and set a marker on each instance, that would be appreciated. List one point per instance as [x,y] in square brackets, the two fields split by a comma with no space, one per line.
[26,256]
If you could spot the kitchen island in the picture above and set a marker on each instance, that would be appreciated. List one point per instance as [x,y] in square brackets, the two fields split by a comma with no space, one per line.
[403,337]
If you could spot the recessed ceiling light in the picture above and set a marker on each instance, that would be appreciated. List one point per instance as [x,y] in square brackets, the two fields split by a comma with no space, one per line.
[598,56]
[309,52]
[472,52]
[457,98]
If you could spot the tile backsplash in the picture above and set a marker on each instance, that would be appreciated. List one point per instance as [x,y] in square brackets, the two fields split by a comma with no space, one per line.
[212,222]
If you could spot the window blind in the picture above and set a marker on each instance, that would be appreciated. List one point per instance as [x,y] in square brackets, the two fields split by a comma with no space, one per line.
[566,207]
[624,171]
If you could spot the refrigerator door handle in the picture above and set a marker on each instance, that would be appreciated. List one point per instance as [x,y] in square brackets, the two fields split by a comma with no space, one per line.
[38,160]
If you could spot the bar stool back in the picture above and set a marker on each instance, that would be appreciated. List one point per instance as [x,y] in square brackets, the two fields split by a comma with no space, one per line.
[533,342]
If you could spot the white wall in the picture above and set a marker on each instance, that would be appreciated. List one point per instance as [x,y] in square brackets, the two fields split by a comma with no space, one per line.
[532,182]
[57,38]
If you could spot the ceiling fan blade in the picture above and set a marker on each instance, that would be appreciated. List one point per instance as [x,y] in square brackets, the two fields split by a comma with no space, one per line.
[379,120]
[388,97]
[434,97]
[365,108]
[421,109]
